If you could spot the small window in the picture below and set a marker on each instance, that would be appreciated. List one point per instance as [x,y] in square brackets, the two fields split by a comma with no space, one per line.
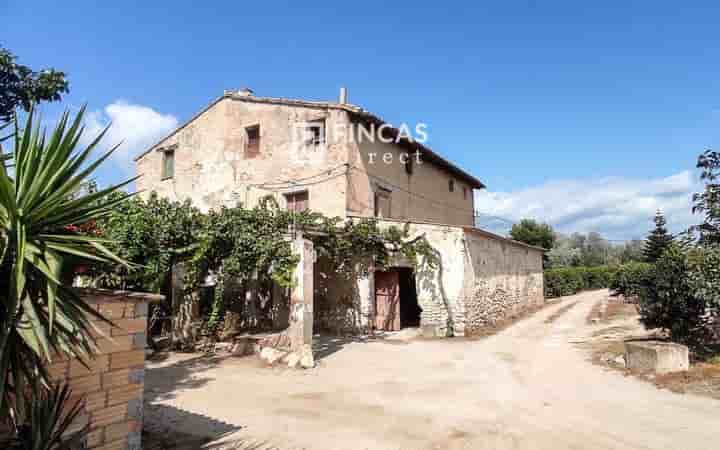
[168,164]
[382,203]
[451,185]
[315,133]
[252,148]
[297,201]
[464,193]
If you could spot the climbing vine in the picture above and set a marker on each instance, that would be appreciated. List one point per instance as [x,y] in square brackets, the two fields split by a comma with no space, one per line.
[253,245]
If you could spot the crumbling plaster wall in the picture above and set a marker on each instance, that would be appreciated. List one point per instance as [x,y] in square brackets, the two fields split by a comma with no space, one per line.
[212,167]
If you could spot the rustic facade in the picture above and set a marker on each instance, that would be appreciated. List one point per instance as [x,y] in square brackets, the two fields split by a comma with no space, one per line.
[317,155]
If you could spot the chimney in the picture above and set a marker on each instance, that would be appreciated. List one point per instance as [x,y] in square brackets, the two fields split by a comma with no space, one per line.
[245,92]
[343,96]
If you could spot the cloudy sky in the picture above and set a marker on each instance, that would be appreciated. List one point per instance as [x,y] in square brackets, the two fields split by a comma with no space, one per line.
[588,116]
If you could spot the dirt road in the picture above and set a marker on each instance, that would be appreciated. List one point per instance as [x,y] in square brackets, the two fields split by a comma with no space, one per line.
[528,387]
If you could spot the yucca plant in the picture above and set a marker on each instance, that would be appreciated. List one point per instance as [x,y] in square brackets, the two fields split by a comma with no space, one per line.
[48,423]
[40,317]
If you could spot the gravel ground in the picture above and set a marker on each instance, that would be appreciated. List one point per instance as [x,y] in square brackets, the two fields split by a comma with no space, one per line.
[528,387]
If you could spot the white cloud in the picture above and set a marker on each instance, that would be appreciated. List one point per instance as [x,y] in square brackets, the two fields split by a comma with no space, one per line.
[136,126]
[619,208]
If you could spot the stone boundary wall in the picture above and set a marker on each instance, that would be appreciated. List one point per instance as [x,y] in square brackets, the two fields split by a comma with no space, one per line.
[503,279]
[113,385]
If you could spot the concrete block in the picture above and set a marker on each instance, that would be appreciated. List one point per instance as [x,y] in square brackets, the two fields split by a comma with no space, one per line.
[656,356]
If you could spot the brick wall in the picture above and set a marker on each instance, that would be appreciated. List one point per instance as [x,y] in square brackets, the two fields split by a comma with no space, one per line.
[113,384]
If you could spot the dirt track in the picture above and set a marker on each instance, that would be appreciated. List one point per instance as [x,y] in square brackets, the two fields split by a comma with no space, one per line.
[528,387]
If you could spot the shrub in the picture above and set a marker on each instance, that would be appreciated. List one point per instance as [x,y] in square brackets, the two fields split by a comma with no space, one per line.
[629,279]
[669,300]
[571,280]
[598,277]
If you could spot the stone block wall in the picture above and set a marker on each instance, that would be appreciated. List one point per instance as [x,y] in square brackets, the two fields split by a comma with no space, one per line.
[503,279]
[112,385]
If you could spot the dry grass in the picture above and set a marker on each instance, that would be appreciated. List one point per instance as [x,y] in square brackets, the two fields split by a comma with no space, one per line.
[607,345]
[701,379]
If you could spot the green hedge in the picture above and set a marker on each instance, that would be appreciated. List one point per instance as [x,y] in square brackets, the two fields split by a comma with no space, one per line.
[571,280]
[630,278]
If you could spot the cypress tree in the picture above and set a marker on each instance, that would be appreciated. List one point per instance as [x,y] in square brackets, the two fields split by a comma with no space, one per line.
[658,239]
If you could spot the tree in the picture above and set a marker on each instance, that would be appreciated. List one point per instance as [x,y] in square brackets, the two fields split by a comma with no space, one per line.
[707,203]
[658,240]
[680,295]
[531,232]
[21,87]
[152,235]
[632,251]
[40,317]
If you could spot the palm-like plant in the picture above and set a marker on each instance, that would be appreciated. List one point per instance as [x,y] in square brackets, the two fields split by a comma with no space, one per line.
[48,423]
[39,316]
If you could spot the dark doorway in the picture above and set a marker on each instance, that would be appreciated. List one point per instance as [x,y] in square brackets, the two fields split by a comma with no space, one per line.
[396,304]
[409,308]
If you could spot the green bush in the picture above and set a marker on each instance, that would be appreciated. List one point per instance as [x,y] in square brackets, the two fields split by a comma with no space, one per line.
[682,294]
[598,277]
[571,280]
[630,278]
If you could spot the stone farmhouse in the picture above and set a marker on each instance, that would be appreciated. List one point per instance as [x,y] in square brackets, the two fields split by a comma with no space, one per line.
[328,157]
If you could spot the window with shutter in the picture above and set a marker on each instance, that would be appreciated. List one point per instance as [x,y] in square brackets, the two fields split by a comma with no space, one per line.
[168,164]
[297,201]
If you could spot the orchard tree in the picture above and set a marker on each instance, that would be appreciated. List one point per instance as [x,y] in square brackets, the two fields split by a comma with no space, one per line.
[21,87]
[658,240]
[532,232]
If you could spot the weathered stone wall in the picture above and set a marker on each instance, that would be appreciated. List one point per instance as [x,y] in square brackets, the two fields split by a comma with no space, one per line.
[502,280]
[480,279]
[113,384]
[212,167]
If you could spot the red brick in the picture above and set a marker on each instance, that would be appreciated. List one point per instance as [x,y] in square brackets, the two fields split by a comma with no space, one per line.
[116,378]
[121,394]
[58,370]
[103,329]
[98,364]
[83,385]
[128,326]
[119,430]
[114,309]
[95,401]
[95,437]
[122,360]
[115,344]
[117,445]
[111,414]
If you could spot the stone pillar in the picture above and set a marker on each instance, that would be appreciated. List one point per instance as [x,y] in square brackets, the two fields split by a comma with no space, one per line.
[301,303]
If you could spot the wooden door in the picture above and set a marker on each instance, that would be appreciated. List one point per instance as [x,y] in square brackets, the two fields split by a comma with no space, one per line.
[387,300]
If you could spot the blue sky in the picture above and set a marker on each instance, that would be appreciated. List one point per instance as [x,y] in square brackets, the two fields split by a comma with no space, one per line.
[588,117]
